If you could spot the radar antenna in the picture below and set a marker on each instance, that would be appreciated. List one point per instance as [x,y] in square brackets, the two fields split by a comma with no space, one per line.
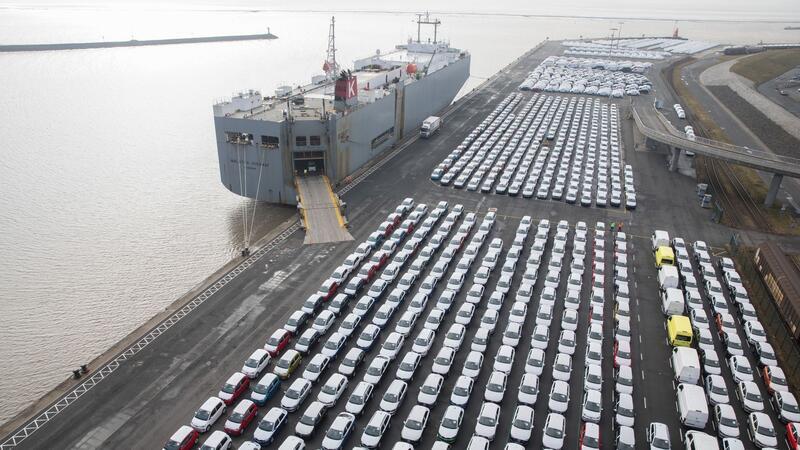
[427,21]
[330,66]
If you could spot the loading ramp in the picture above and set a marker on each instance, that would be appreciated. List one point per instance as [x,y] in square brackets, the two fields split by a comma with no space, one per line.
[320,210]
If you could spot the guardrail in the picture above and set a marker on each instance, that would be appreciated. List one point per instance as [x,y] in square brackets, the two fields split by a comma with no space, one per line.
[758,159]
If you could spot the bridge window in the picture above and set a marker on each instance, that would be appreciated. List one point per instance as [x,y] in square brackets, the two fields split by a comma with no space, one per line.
[270,141]
[314,141]
[300,141]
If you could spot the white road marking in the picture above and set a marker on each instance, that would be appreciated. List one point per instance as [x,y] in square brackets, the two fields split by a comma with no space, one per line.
[642,374]
[645,400]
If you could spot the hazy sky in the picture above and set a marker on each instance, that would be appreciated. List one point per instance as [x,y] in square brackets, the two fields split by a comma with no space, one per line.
[778,10]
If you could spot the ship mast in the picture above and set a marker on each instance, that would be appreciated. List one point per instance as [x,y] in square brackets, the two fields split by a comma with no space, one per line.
[427,21]
[330,66]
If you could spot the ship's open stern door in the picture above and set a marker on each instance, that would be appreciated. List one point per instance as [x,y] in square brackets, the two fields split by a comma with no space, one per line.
[308,163]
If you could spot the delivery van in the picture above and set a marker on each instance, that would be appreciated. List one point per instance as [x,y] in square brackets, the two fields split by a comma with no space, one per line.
[697,440]
[668,277]
[665,256]
[672,301]
[692,406]
[659,238]
[430,126]
[679,331]
[686,365]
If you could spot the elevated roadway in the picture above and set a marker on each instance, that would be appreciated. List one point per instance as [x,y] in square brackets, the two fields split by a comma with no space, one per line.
[652,124]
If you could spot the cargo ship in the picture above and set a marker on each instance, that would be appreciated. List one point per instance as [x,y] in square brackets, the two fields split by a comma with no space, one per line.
[338,122]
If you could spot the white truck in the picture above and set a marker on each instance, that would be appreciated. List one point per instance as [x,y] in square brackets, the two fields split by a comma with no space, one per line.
[686,365]
[430,126]
[668,277]
[659,238]
[692,406]
[672,301]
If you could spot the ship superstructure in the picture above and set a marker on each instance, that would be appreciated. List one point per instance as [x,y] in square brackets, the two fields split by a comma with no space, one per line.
[338,122]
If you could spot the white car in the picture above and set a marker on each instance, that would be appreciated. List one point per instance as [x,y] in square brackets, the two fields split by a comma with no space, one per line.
[368,337]
[541,337]
[408,365]
[316,367]
[567,342]
[482,276]
[496,300]
[430,389]
[495,387]
[424,341]
[376,427]
[754,332]
[594,353]
[528,391]
[593,377]
[312,416]
[512,334]
[486,426]
[394,396]
[750,396]
[332,390]
[522,424]
[270,425]
[383,315]
[725,420]
[462,390]
[349,325]
[359,398]
[414,426]
[716,390]
[624,380]
[256,363]
[454,336]
[451,424]
[465,313]
[554,428]
[351,361]
[211,410]
[559,396]
[475,293]
[569,320]
[544,315]
[489,320]
[534,363]
[443,360]
[376,369]
[392,345]
[418,302]
[761,430]
[333,345]
[406,323]
[592,406]
[623,408]
[473,364]
[296,394]
[434,319]
[786,406]
[740,368]
[504,359]
[518,313]
[480,341]
[562,367]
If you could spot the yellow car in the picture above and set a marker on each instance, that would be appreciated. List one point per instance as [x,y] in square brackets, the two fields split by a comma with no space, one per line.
[288,363]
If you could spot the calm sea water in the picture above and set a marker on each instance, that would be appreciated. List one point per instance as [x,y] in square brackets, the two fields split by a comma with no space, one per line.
[111,206]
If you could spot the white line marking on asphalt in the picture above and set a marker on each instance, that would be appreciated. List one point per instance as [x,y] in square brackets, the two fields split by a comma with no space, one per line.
[645,401]
[642,374]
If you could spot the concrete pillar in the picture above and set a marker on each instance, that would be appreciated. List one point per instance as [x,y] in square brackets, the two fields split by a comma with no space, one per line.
[774,187]
[673,159]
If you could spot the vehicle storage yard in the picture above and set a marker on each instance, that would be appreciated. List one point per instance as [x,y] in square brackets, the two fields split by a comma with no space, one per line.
[577,288]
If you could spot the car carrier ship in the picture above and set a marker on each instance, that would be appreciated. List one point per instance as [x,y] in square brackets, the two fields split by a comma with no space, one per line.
[338,122]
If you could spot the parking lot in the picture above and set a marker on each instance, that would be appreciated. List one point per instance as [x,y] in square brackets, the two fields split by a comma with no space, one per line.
[548,147]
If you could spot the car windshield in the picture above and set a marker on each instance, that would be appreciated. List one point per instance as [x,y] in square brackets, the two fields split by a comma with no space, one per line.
[591,441]
[766,431]
[405,365]
[463,391]
[308,420]
[428,389]
[414,424]
[304,341]
[753,396]
[625,411]
[717,389]
[373,370]
[450,423]
[443,360]
[266,425]
[335,434]
[524,424]
[291,393]
[236,417]
[390,397]
[559,397]
[259,388]
[328,389]
[229,388]
[790,407]
[202,414]
[252,362]
[373,430]
[505,359]
[332,345]
[421,341]
[487,421]
[728,421]
[744,369]
[624,381]
[562,367]
[660,443]
[356,399]
[554,432]
[592,406]
[283,363]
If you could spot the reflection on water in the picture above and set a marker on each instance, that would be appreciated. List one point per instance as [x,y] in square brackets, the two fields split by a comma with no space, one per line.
[261,218]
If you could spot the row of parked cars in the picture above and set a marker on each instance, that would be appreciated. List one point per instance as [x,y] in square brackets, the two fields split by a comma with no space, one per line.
[570,75]
[503,155]
[703,392]
[314,321]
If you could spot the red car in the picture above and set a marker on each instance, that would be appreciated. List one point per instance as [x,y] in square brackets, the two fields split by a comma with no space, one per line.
[367,271]
[328,289]
[590,435]
[236,385]
[240,417]
[183,439]
[395,219]
[408,225]
[622,353]
[277,342]
[793,435]
[379,259]
[386,228]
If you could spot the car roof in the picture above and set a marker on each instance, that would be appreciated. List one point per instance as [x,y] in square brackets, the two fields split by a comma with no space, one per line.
[274,413]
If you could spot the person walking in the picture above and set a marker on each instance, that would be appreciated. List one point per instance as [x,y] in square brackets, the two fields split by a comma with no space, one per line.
[619,227]
[613,227]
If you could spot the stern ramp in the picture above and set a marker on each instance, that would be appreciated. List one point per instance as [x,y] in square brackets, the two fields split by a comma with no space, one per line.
[320,210]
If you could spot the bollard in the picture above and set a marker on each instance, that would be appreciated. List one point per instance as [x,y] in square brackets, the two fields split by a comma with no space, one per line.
[76,374]
[84,369]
